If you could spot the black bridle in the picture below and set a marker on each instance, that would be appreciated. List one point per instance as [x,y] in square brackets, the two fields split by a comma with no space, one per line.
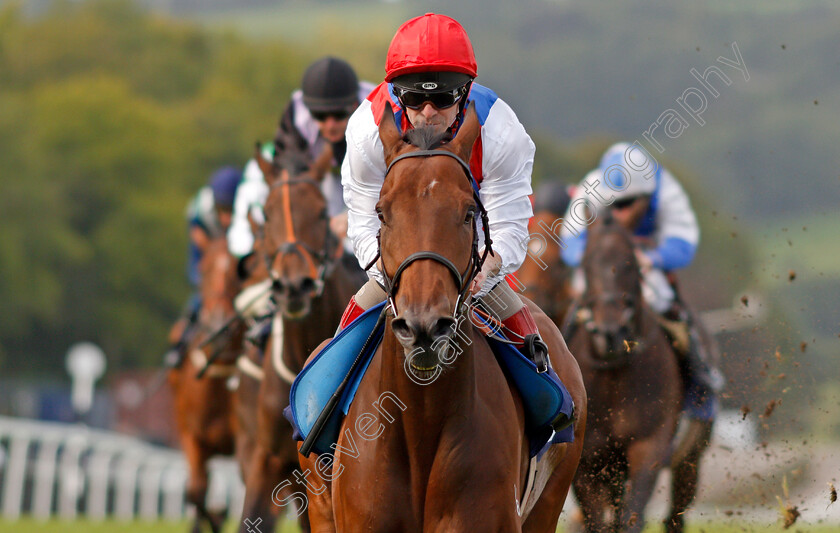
[462,280]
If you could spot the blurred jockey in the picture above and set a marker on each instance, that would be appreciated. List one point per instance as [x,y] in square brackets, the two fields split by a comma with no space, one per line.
[314,120]
[553,197]
[209,217]
[646,199]
[429,74]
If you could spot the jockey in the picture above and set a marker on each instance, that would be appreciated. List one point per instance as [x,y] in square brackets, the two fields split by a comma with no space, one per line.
[208,217]
[648,200]
[429,75]
[313,121]
[553,197]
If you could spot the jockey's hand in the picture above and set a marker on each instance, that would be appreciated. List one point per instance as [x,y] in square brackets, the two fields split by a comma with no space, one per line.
[492,266]
[338,225]
[645,264]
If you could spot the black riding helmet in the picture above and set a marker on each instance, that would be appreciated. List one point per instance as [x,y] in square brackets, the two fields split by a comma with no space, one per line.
[330,84]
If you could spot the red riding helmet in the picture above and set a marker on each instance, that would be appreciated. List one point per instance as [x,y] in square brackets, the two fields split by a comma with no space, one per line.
[430,43]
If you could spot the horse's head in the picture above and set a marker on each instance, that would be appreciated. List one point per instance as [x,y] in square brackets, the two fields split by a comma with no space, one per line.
[427,209]
[612,302]
[543,274]
[218,288]
[297,246]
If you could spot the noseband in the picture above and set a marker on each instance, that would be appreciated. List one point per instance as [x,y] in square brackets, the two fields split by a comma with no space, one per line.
[462,280]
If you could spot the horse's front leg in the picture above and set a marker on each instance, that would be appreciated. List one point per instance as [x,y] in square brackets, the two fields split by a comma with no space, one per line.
[263,489]
[685,473]
[593,495]
[319,506]
[196,493]
[645,459]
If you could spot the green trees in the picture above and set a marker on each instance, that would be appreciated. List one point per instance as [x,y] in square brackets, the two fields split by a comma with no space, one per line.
[109,119]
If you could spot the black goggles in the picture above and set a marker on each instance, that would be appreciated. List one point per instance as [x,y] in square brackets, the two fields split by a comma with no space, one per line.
[441,100]
[624,203]
[339,114]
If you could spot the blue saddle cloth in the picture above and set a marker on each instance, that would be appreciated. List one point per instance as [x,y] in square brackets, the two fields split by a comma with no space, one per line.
[544,397]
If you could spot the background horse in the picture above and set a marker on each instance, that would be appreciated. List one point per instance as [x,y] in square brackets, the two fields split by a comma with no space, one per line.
[544,278]
[204,406]
[454,455]
[311,286]
[633,382]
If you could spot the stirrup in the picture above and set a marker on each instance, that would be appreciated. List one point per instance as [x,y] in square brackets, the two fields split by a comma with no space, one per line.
[562,421]
[537,351]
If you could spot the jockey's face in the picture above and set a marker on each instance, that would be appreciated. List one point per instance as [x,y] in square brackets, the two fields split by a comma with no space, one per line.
[429,115]
[224,215]
[629,214]
[333,125]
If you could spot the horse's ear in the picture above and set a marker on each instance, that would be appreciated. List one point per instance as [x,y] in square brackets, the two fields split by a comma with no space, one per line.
[269,171]
[322,165]
[465,139]
[389,134]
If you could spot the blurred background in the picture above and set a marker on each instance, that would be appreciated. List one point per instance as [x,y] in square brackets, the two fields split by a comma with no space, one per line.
[113,113]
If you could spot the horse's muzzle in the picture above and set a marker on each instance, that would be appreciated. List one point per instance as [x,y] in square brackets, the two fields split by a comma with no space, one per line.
[430,334]
[294,299]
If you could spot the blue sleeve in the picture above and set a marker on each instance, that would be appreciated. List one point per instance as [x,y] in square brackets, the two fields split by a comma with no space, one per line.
[672,254]
[572,254]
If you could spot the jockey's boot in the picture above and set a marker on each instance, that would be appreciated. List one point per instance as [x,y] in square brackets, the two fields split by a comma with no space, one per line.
[698,363]
[370,294]
[259,330]
[527,338]
[180,333]
[351,313]
[695,361]
[174,356]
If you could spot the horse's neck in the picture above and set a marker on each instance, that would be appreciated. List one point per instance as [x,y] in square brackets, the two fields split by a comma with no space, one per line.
[434,413]
[433,402]
[306,334]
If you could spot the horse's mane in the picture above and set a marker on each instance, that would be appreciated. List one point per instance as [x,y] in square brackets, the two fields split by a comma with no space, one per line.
[426,138]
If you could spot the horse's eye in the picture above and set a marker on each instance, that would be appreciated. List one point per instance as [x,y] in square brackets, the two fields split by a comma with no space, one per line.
[470,216]
[379,214]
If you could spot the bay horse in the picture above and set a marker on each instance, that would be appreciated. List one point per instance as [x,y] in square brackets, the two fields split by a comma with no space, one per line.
[454,456]
[311,286]
[544,278]
[204,406]
[633,381]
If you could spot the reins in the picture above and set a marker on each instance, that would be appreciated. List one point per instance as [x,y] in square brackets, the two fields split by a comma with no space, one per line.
[462,280]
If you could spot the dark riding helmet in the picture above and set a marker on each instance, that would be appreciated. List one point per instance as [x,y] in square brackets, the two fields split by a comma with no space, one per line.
[223,183]
[330,84]
[552,196]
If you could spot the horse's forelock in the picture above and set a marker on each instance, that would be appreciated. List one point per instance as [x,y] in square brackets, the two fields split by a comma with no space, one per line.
[611,242]
[295,163]
[426,138]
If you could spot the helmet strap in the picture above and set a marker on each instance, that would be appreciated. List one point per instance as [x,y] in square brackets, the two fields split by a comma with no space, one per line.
[462,106]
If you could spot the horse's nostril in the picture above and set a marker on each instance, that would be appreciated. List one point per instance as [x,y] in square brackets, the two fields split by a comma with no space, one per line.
[443,327]
[277,285]
[405,333]
[307,285]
